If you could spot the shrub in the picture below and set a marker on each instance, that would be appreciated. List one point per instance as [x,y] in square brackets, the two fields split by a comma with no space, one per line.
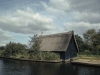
[13,49]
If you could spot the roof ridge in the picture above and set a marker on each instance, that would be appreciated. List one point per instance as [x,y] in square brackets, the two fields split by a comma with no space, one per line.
[70,32]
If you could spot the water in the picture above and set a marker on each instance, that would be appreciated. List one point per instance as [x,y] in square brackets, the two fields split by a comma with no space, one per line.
[14,67]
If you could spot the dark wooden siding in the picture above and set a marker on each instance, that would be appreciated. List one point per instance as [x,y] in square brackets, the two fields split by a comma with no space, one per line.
[72,50]
[62,55]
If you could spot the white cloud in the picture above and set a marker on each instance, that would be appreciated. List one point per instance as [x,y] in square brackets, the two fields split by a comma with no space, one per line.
[80,27]
[86,17]
[26,21]
[4,37]
[57,6]
[64,6]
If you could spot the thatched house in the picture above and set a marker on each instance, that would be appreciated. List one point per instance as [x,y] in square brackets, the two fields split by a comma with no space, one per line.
[63,43]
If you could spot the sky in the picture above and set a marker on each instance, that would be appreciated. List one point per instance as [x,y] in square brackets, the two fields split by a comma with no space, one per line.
[20,19]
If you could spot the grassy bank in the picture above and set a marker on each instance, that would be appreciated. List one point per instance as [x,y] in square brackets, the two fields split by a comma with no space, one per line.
[90,57]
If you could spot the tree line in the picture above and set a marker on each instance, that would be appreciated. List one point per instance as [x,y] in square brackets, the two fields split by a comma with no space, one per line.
[89,43]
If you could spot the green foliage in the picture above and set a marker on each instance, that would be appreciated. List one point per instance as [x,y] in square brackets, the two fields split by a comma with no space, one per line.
[49,56]
[44,56]
[80,43]
[88,35]
[2,47]
[1,52]
[12,49]
[34,43]
[91,43]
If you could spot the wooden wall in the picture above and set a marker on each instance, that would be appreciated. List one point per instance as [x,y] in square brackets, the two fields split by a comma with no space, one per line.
[70,52]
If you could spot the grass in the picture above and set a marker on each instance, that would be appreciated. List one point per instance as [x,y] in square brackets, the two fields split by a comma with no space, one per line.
[90,57]
[21,56]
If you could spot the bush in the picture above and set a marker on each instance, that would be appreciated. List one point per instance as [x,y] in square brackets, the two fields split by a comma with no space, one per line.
[1,52]
[50,56]
[13,49]
[44,55]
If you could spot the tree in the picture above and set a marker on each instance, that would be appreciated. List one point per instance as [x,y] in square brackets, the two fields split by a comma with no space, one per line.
[12,49]
[34,43]
[2,47]
[92,41]
[80,43]
[88,36]
[96,38]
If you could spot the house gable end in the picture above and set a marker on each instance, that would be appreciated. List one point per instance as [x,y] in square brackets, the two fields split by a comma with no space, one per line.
[71,50]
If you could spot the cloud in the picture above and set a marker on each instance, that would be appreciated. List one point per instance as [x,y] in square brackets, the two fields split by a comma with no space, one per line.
[79,10]
[4,37]
[56,6]
[26,21]
[78,14]
[80,27]
[84,14]
[70,5]
[85,5]
[86,17]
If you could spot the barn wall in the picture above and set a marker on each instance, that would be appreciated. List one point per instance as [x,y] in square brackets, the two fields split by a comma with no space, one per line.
[62,55]
[72,50]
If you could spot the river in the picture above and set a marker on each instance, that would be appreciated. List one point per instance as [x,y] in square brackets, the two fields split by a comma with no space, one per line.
[14,67]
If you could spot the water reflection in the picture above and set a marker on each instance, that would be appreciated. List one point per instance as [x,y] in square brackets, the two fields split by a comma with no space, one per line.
[83,70]
[13,67]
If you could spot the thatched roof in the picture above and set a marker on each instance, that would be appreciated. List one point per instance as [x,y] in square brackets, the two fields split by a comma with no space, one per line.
[56,42]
